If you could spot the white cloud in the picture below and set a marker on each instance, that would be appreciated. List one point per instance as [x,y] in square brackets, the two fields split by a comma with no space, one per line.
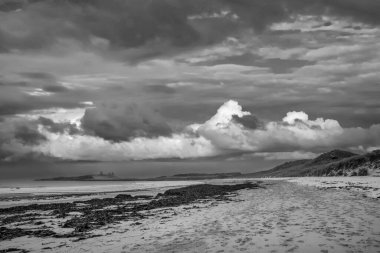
[291,117]
[87,103]
[295,132]
[222,131]
[37,92]
[225,113]
[79,147]
[294,137]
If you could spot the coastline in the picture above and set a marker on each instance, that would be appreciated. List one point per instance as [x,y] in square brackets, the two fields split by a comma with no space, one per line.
[56,192]
[280,216]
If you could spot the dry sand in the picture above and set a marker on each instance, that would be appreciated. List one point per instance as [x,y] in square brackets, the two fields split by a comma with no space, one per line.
[368,186]
[284,217]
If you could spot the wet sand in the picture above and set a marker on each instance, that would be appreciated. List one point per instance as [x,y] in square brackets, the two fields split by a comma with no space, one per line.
[283,217]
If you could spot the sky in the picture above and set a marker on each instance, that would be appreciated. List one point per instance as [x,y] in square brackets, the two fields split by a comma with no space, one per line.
[123,80]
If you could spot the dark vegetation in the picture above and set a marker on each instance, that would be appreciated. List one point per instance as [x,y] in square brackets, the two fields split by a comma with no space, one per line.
[333,163]
[96,213]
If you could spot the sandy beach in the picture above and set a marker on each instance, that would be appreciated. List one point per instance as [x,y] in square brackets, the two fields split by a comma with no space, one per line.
[282,217]
[174,126]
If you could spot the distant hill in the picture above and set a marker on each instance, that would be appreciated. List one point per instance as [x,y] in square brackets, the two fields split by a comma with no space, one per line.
[333,163]
[112,177]
[200,176]
[97,177]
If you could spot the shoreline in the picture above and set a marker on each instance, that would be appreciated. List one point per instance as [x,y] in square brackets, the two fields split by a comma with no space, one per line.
[367,186]
[85,216]
[276,216]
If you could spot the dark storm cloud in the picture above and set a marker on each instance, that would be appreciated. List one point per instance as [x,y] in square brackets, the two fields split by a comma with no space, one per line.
[14,99]
[123,24]
[16,93]
[11,5]
[364,10]
[46,81]
[248,121]
[18,137]
[4,154]
[55,88]
[22,131]
[28,135]
[121,122]
[38,76]
[189,112]
[283,65]
[55,127]
[156,27]
[276,65]
[14,84]
[261,13]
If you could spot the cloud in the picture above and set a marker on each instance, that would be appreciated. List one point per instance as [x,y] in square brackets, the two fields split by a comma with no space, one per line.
[295,132]
[81,147]
[28,91]
[98,25]
[185,59]
[260,15]
[248,121]
[275,64]
[144,29]
[292,117]
[55,88]
[366,10]
[17,133]
[58,127]
[123,121]
[160,89]
[38,76]
[222,129]
[132,132]
[28,135]
[294,155]
[286,67]
[14,100]
[43,138]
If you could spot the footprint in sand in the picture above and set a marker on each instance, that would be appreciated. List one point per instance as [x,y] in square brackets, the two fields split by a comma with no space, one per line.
[292,249]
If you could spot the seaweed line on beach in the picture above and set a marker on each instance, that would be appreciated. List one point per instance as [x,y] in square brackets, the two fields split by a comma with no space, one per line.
[96,213]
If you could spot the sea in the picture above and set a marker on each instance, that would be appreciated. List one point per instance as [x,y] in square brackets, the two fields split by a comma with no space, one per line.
[18,185]
[42,192]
